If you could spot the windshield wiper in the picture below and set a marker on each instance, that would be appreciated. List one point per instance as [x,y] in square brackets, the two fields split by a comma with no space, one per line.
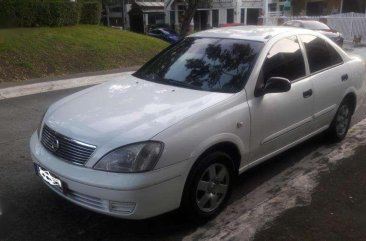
[180,83]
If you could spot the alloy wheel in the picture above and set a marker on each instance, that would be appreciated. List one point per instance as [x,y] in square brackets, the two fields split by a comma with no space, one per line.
[212,187]
[342,120]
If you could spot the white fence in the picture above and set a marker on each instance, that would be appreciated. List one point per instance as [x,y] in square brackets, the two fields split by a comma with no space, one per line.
[349,24]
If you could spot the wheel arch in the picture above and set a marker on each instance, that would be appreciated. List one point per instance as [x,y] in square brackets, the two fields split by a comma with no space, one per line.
[228,147]
[351,96]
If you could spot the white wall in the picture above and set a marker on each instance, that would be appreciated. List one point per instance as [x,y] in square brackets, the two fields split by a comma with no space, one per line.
[222,16]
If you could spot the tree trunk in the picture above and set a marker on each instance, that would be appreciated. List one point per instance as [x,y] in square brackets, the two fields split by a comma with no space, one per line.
[107,13]
[188,16]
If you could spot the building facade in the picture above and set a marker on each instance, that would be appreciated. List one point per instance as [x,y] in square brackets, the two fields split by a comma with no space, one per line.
[327,7]
[221,12]
[140,15]
[135,15]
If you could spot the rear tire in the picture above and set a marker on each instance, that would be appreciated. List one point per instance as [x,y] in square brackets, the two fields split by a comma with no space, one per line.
[341,122]
[208,186]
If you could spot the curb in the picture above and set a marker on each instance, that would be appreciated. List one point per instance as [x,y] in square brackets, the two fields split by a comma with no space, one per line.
[36,88]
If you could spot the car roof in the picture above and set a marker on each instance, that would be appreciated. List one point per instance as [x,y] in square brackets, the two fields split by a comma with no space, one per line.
[256,33]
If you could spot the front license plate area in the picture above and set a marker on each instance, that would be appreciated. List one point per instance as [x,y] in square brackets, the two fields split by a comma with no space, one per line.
[50,178]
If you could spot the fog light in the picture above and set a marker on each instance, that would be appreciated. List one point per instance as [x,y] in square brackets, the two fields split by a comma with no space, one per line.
[119,207]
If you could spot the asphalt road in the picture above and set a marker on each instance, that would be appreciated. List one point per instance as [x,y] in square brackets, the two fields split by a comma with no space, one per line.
[264,205]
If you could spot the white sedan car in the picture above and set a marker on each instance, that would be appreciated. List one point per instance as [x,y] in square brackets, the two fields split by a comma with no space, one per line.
[177,132]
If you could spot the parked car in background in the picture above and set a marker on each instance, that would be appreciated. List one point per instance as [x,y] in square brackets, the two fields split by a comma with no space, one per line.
[177,132]
[166,34]
[319,27]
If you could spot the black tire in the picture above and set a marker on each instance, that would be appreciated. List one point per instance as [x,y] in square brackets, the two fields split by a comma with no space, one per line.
[218,161]
[341,122]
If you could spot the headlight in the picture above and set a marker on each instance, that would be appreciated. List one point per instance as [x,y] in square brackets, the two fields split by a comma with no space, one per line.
[138,157]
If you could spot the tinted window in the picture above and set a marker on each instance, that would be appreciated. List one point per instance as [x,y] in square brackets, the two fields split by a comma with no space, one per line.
[284,60]
[211,64]
[320,54]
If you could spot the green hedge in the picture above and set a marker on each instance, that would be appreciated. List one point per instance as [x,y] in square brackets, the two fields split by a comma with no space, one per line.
[91,12]
[62,14]
[30,13]
[7,13]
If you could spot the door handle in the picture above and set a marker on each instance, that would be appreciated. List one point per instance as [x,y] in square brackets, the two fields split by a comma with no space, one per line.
[308,93]
[344,77]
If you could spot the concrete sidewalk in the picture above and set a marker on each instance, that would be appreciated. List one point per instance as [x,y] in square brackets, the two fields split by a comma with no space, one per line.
[35,86]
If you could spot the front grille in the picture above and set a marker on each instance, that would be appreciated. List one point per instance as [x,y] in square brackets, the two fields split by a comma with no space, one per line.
[66,148]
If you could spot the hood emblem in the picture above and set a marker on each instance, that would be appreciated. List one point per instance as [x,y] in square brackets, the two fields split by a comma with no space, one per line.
[55,144]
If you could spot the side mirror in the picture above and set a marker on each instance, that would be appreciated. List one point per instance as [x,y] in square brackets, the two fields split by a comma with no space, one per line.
[274,85]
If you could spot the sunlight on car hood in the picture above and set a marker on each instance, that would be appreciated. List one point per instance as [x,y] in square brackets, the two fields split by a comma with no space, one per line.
[130,108]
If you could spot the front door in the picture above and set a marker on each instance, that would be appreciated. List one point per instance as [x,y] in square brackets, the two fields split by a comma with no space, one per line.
[279,120]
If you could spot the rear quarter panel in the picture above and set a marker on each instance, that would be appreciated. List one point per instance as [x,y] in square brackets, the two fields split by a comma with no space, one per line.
[357,77]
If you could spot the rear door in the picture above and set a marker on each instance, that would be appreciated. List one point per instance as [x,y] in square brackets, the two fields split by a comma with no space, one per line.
[328,75]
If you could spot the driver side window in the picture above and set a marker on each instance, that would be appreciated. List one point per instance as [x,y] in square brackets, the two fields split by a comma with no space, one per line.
[284,60]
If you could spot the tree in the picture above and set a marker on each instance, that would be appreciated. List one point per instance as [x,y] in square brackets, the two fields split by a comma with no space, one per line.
[357,6]
[191,7]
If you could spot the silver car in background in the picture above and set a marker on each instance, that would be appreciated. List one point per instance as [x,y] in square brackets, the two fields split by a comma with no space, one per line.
[319,27]
[177,132]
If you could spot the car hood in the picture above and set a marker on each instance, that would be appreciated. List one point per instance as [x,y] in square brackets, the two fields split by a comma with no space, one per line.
[129,108]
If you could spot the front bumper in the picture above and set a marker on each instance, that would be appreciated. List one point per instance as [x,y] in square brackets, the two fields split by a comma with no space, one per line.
[126,195]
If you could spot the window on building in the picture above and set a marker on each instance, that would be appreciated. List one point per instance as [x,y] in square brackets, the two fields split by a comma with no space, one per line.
[242,15]
[272,7]
[215,18]
[172,18]
[230,16]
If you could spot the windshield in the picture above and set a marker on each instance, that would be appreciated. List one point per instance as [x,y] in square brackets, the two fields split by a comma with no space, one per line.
[315,25]
[209,64]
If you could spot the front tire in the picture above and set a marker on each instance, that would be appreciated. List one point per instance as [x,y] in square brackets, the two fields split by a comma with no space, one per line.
[341,122]
[208,187]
